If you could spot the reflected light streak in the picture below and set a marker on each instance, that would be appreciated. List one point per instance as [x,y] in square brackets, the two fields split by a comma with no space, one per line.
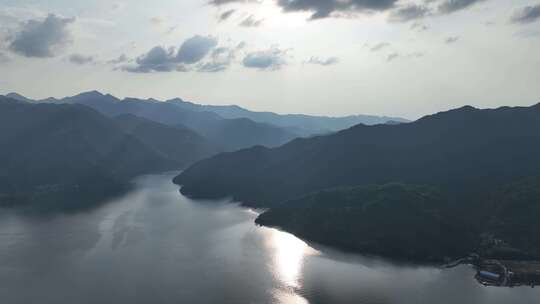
[289,253]
[288,258]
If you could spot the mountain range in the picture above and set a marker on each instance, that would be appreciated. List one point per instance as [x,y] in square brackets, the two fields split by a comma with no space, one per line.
[449,184]
[79,149]
[68,155]
[459,149]
[466,154]
[302,125]
[58,156]
[229,127]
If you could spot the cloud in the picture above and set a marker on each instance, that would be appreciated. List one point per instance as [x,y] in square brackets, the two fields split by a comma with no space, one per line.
[450,6]
[251,22]
[379,46]
[322,8]
[241,45]
[415,55]
[221,2]
[121,59]
[395,55]
[392,57]
[419,27]
[213,67]
[225,15]
[272,59]
[42,38]
[409,12]
[527,14]
[80,59]
[195,48]
[221,59]
[324,62]
[451,40]
[117,6]
[157,20]
[160,59]
[399,12]
[325,8]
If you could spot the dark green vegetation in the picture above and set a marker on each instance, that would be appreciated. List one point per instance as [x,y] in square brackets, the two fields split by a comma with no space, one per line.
[467,153]
[395,220]
[416,223]
[70,156]
[513,225]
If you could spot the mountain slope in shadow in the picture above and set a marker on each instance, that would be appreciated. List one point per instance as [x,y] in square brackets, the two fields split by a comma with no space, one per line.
[466,150]
[67,155]
[179,144]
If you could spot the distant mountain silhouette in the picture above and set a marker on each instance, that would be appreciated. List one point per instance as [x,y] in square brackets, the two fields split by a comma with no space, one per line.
[233,117]
[227,134]
[176,143]
[302,125]
[464,149]
[18,97]
[234,134]
[68,155]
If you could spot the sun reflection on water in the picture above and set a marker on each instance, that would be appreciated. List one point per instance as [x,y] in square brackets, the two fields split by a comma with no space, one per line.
[288,258]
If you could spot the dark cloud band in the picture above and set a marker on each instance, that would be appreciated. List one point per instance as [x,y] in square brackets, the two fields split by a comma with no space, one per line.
[527,14]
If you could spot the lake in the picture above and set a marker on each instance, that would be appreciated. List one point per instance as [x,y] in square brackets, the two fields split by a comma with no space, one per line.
[153,245]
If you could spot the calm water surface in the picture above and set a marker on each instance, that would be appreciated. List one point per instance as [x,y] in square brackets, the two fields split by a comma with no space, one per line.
[155,246]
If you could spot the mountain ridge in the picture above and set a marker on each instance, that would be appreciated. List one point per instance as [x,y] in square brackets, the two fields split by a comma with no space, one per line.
[208,124]
[300,124]
[394,146]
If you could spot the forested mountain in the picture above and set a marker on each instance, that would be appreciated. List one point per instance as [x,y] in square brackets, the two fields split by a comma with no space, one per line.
[467,181]
[392,220]
[417,222]
[69,155]
[465,150]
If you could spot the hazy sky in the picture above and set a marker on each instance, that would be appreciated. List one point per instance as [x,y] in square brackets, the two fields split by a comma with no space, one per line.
[334,57]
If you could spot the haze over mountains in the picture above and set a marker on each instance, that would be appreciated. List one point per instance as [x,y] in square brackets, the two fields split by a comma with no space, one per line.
[180,144]
[232,127]
[304,125]
[55,148]
[207,124]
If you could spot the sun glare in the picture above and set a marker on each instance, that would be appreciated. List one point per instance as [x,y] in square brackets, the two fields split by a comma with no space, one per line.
[289,254]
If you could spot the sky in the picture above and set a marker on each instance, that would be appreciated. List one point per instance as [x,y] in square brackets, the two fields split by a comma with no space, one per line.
[403,58]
